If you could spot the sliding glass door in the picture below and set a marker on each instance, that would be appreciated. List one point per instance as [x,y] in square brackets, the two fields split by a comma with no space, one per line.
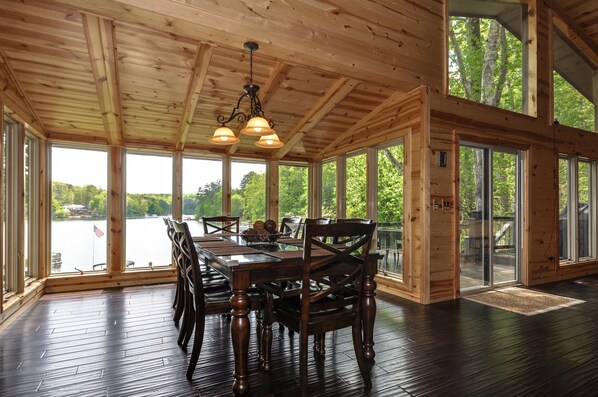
[490,222]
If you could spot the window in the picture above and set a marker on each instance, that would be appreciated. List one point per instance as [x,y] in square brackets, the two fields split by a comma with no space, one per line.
[356,179]
[577,209]
[248,187]
[31,207]
[4,248]
[292,191]
[202,191]
[329,189]
[149,199]
[78,237]
[486,55]
[390,208]
[573,82]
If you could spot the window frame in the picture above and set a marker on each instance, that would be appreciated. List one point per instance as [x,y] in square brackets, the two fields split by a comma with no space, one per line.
[573,233]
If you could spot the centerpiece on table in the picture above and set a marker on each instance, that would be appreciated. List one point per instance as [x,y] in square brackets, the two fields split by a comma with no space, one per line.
[261,232]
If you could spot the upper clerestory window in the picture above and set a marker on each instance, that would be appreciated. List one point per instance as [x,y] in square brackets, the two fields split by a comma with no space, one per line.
[487,57]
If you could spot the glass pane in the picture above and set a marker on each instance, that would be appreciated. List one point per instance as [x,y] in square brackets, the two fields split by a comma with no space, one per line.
[485,60]
[248,188]
[202,191]
[570,106]
[149,198]
[329,189]
[504,208]
[390,208]
[584,210]
[564,208]
[473,236]
[78,210]
[292,193]
[356,199]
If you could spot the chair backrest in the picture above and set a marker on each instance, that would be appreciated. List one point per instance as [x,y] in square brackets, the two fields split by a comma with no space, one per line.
[170,233]
[353,220]
[346,239]
[220,224]
[189,261]
[340,274]
[291,226]
[313,221]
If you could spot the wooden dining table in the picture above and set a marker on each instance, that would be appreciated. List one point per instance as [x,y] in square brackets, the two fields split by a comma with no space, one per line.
[246,264]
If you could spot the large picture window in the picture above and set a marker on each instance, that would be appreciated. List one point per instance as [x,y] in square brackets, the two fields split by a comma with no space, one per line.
[78,209]
[390,207]
[486,54]
[202,191]
[248,186]
[149,198]
[292,193]
[329,189]
[356,186]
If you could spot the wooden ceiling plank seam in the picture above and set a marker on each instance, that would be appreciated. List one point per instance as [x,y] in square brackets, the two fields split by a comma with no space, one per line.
[392,100]
[335,94]
[200,71]
[99,33]
[12,81]
[279,73]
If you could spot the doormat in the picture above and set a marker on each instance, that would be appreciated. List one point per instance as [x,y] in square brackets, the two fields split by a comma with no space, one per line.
[523,301]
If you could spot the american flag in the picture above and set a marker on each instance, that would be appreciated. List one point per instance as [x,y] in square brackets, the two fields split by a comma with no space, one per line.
[97,231]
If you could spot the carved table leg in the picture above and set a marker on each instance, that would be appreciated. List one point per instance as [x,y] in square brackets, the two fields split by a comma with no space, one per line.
[239,328]
[369,317]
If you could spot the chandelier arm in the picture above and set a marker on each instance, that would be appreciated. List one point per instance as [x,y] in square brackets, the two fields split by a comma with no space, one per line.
[235,113]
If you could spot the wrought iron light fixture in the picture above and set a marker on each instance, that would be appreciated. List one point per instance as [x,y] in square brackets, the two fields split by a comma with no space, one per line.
[257,124]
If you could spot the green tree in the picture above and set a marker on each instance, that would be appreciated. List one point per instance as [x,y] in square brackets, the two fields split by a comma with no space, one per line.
[209,200]
[253,191]
[356,186]
[390,185]
[329,189]
[292,197]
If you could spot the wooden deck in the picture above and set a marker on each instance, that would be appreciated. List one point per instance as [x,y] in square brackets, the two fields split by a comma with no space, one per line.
[123,343]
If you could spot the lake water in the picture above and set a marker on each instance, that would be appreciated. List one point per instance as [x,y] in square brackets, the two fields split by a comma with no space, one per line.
[81,248]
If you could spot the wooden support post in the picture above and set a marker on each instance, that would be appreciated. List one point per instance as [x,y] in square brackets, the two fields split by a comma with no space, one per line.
[226,185]
[315,189]
[116,210]
[272,189]
[341,186]
[177,185]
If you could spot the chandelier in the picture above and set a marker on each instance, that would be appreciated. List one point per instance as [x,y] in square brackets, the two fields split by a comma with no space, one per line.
[256,125]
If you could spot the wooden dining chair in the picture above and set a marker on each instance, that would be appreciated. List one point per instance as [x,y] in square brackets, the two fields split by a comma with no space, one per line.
[291,226]
[337,304]
[220,224]
[199,300]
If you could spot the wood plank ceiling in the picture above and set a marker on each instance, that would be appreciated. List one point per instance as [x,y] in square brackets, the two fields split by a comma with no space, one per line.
[88,75]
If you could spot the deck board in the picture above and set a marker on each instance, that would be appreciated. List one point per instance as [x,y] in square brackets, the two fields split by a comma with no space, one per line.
[122,342]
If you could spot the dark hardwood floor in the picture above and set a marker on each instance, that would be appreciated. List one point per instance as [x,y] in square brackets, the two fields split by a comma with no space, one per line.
[123,343]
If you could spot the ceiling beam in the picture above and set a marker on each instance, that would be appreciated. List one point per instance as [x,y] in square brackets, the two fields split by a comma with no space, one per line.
[284,37]
[200,70]
[390,101]
[99,34]
[15,98]
[565,24]
[339,90]
[276,78]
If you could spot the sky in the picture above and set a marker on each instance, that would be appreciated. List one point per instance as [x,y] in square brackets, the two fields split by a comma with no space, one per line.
[146,173]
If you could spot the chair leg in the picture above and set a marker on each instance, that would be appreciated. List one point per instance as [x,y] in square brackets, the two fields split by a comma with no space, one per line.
[197,343]
[259,326]
[319,344]
[303,363]
[359,354]
[187,320]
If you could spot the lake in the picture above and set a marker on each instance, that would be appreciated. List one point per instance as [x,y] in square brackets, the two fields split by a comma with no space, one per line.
[79,246]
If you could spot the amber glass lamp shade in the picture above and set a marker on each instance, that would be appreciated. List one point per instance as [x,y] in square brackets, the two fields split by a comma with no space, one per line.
[224,136]
[269,141]
[257,126]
